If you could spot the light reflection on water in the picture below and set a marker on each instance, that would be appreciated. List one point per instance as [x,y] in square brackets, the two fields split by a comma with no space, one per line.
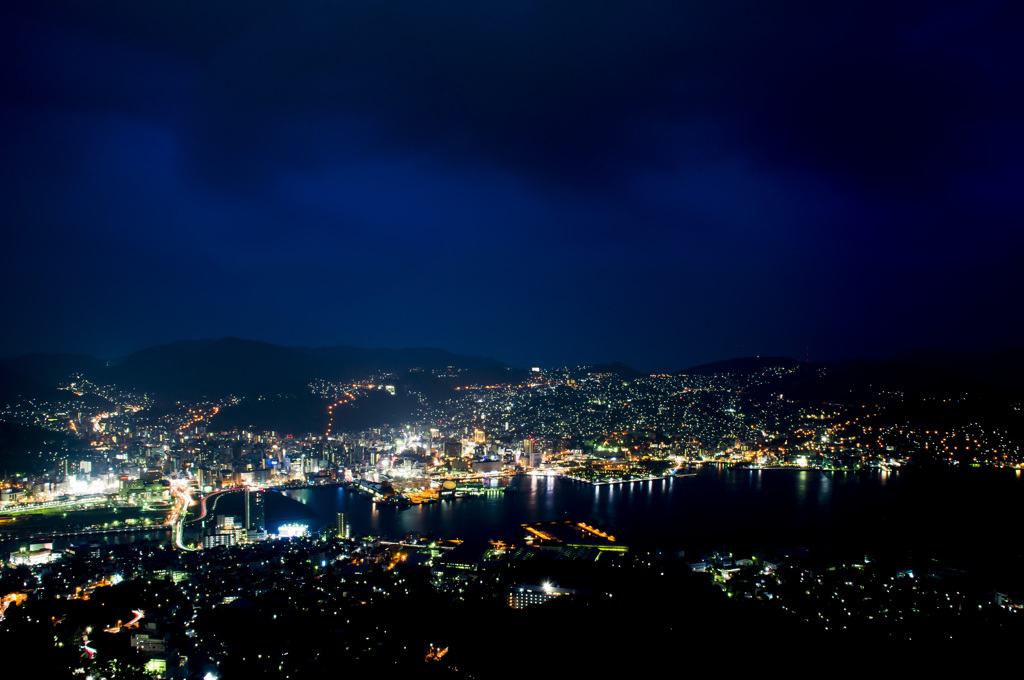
[718,503]
[976,508]
[801,487]
[824,488]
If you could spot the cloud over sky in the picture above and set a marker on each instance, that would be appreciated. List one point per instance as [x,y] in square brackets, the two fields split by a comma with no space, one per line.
[540,182]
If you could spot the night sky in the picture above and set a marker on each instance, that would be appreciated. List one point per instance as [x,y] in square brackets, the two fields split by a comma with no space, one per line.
[541,182]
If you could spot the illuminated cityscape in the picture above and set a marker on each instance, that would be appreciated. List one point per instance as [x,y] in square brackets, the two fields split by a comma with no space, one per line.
[483,340]
[219,533]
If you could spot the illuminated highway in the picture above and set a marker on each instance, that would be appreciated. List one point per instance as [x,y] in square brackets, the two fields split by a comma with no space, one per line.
[183,499]
[202,504]
[348,398]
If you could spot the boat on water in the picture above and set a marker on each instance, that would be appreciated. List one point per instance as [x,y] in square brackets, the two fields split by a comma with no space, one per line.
[396,501]
[795,468]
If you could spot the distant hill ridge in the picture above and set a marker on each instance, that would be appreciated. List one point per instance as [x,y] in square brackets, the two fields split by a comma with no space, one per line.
[858,381]
[193,368]
[213,368]
[1002,368]
[739,365]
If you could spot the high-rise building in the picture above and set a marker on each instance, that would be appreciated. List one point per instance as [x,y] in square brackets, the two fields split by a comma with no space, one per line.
[226,532]
[255,514]
[343,527]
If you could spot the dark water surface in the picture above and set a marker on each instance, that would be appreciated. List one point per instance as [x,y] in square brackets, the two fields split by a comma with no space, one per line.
[972,516]
[947,510]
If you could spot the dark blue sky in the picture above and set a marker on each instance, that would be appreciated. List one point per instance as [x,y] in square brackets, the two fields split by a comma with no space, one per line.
[539,182]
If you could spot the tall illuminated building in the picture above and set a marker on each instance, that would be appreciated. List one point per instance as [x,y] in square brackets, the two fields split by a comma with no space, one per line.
[255,513]
[343,527]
